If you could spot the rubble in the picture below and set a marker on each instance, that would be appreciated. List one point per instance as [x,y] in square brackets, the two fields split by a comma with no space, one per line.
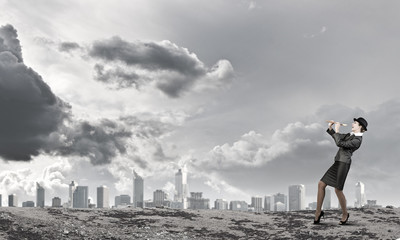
[164,223]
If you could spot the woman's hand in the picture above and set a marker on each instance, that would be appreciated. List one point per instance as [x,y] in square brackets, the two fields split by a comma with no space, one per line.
[337,126]
[330,124]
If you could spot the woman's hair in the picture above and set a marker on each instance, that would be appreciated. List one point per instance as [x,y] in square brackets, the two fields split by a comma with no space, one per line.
[362,128]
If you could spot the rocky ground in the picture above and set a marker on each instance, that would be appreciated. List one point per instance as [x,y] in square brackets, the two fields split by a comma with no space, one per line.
[59,223]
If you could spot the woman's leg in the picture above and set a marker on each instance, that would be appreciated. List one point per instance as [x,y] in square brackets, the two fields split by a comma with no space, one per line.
[320,198]
[342,201]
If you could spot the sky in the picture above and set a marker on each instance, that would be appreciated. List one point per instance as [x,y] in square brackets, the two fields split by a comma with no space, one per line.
[236,92]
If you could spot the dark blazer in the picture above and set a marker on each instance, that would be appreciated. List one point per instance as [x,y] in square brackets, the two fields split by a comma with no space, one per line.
[347,144]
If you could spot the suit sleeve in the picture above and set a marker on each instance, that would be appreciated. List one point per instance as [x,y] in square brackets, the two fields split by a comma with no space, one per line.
[330,131]
[353,143]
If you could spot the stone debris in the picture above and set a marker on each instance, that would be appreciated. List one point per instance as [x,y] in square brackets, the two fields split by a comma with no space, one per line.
[164,223]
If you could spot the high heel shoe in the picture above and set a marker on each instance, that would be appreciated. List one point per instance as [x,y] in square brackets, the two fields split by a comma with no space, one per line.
[345,222]
[319,217]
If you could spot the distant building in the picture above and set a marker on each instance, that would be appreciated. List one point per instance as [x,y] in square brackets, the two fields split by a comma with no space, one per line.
[312,206]
[72,187]
[103,197]
[160,199]
[280,198]
[56,202]
[1,201]
[327,201]
[28,204]
[280,207]
[372,204]
[256,203]
[268,203]
[297,197]
[138,190]
[176,205]
[122,200]
[80,197]
[181,188]
[196,201]
[221,204]
[12,200]
[361,200]
[149,203]
[238,206]
[39,195]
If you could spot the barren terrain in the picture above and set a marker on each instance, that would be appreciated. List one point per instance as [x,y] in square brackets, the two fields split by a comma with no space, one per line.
[60,223]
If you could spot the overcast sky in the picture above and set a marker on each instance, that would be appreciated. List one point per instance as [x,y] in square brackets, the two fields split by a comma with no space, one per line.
[238,91]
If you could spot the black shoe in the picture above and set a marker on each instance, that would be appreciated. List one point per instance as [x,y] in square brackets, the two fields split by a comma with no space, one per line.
[345,222]
[319,218]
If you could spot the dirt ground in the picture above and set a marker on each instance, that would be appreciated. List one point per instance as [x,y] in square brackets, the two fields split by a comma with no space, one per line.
[60,223]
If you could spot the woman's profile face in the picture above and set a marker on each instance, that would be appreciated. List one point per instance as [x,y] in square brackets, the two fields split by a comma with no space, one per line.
[355,127]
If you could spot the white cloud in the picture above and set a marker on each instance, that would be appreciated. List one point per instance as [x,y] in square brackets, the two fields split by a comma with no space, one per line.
[253,149]
[16,182]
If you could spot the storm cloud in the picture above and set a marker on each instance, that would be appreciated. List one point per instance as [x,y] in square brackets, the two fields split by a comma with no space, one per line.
[30,111]
[173,69]
[34,120]
[100,142]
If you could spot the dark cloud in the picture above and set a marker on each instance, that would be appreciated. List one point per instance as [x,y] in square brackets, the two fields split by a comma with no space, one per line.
[151,56]
[30,111]
[9,41]
[68,46]
[34,120]
[117,76]
[99,142]
[174,69]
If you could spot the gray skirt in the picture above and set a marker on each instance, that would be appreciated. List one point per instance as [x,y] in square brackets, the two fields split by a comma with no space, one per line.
[336,175]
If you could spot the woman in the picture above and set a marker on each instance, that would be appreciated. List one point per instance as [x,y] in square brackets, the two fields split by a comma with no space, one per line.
[337,173]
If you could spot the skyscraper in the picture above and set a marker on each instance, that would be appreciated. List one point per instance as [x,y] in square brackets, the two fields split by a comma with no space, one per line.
[80,197]
[268,203]
[72,187]
[221,204]
[1,201]
[361,200]
[282,199]
[327,201]
[159,198]
[297,197]
[256,203]
[181,190]
[12,200]
[39,195]
[138,190]
[103,197]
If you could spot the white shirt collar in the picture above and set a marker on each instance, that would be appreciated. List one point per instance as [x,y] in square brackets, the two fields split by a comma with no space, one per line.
[357,134]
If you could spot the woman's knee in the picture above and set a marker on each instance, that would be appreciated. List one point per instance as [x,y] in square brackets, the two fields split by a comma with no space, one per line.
[321,185]
[338,191]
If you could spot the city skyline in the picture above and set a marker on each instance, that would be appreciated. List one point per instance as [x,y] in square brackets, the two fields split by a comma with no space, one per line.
[294,200]
[238,92]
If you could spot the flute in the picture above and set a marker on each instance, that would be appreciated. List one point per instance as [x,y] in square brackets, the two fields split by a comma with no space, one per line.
[341,124]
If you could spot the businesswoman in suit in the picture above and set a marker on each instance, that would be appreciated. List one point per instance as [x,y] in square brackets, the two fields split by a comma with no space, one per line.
[337,173]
